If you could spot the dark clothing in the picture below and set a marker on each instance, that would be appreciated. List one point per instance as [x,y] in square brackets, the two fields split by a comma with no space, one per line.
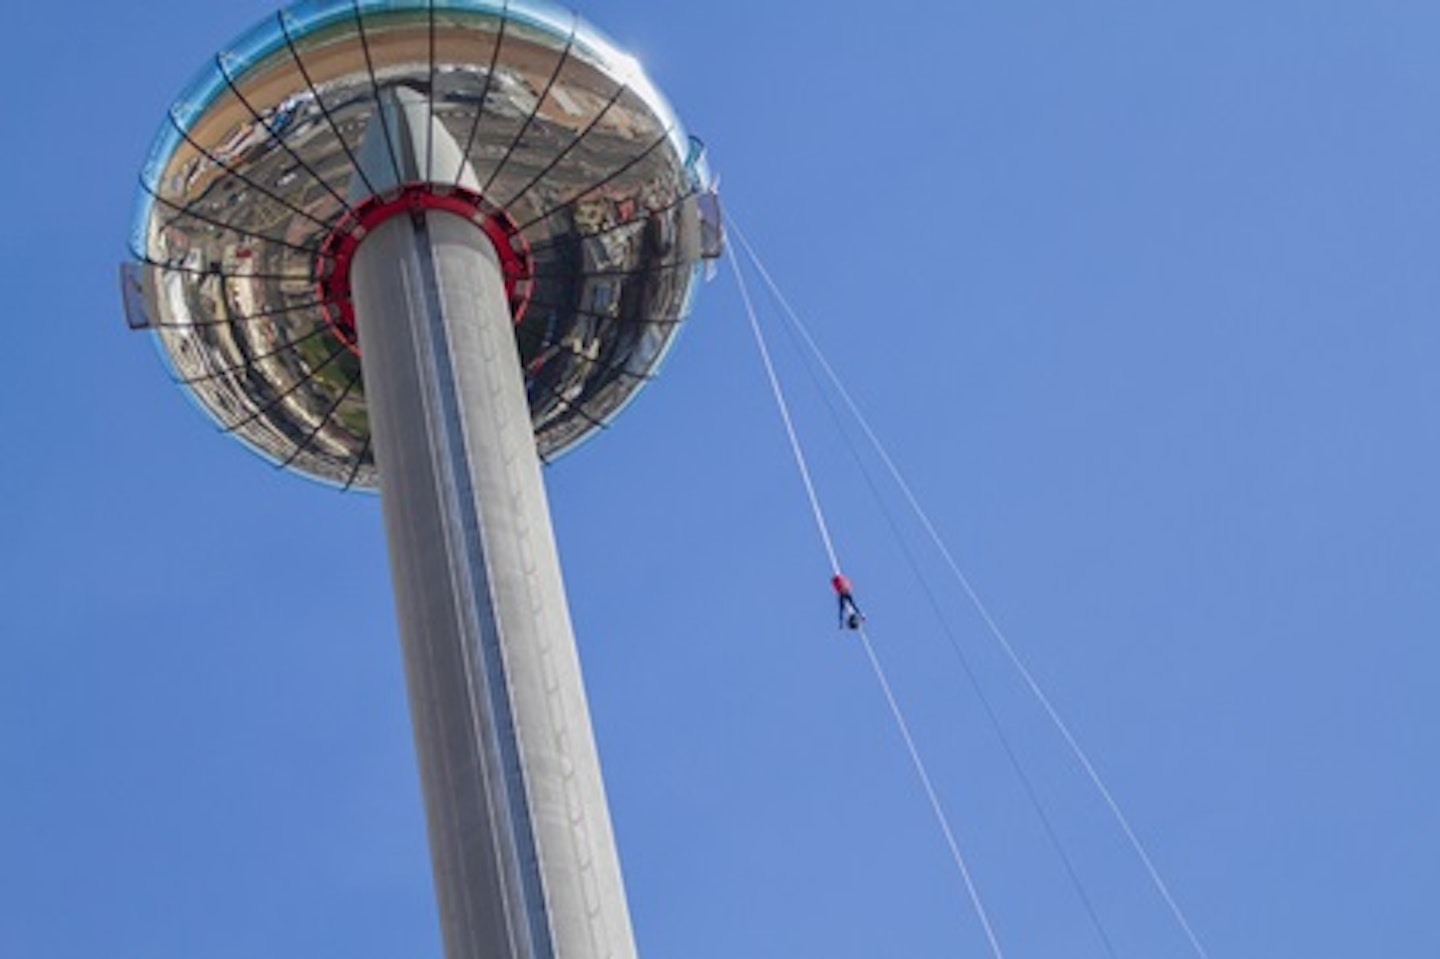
[850,614]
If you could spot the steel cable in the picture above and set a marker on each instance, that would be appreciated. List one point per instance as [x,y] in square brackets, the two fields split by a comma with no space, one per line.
[1081,757]
[824,530]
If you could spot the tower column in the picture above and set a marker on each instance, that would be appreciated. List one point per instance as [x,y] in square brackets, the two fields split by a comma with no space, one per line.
[521,843]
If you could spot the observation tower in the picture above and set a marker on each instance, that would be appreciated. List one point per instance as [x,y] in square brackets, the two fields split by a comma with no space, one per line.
[421,246]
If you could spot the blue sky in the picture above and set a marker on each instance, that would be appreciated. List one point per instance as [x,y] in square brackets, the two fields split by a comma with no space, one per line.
[1142,297]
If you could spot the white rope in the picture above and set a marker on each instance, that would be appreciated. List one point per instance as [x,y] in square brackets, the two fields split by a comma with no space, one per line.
[784,408]
[824,531]
[939,810]
[1080,755]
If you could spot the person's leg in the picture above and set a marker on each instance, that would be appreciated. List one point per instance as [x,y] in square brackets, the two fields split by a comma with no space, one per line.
[857,617]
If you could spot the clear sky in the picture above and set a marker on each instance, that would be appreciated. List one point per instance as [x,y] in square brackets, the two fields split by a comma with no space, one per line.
[1144,298]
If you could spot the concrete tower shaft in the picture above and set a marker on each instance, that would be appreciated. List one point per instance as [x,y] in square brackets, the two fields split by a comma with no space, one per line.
[521,843]
[520,836]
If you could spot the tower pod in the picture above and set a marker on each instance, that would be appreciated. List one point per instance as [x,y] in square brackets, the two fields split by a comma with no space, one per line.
[520,117]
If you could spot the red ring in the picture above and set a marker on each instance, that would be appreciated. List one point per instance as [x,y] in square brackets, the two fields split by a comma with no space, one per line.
[332,265]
